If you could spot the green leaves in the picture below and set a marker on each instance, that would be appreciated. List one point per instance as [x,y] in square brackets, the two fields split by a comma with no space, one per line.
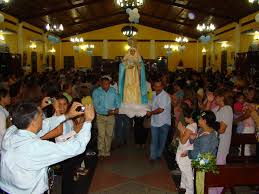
[206,162]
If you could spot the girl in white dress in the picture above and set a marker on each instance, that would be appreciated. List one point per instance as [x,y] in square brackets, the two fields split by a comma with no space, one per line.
[183,161]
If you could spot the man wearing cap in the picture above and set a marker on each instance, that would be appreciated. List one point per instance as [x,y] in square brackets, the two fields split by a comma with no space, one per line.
[106,103]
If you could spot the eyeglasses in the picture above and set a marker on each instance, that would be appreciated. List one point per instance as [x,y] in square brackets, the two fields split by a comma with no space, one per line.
[201,115]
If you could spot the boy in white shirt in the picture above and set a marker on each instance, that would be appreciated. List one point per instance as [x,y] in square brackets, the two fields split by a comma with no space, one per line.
[185,135]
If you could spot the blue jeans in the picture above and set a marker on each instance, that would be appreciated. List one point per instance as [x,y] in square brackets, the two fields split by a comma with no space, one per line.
[158,140]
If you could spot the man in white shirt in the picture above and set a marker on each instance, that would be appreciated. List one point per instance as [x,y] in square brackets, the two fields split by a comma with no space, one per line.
[160,120]
[26,158]
[4,114]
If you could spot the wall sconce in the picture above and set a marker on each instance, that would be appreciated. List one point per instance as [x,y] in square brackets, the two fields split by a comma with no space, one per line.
[2,37]
[224,45]
[204,51]
[53,50]
[33,45]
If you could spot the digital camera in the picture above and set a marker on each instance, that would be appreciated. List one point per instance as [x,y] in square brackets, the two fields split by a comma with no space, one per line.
[50,100]
[80,109]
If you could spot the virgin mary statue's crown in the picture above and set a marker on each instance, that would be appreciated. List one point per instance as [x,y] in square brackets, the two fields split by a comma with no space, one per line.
[132,42]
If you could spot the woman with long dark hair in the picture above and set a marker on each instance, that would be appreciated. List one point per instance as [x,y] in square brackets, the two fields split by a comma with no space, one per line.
[207,140]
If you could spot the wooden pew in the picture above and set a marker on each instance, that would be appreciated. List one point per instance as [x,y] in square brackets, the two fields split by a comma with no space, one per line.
[238,140]
[233,175]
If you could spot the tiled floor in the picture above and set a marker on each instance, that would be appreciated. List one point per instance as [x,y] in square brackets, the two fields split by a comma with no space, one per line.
[128,171]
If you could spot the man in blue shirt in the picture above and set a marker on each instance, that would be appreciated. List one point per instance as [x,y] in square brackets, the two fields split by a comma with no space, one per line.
[106,103]
[26,158]
[160,120]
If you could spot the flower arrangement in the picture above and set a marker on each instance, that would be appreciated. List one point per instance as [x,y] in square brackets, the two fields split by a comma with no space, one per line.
[205,162]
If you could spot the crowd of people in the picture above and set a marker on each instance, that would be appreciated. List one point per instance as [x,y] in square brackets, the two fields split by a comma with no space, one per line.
[201,111]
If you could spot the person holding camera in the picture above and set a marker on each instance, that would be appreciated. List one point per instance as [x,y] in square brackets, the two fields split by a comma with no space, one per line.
[26,158]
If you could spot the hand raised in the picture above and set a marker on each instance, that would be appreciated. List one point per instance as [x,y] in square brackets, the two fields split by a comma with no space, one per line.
[45,102]
[89,113]
[73,111]
[180,126]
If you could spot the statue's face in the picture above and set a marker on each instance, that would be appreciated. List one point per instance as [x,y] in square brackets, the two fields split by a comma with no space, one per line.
[132,52]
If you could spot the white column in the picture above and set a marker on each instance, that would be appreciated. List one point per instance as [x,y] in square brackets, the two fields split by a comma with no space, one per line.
[20,40]
[45,48]
[61,58]
[105,49]
[197,56]
[212,53]
[237,38]
[152,49]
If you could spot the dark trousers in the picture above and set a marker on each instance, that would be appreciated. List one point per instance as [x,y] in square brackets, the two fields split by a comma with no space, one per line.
[2,192]
[140,132]
[69,167]
[122,127]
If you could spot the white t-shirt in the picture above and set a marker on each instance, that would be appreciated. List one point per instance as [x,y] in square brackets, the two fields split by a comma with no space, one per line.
[68,131]
[188,146]
[225,114]
[163,101]
[4,114]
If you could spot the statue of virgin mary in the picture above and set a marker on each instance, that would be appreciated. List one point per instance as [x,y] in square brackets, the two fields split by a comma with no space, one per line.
[132,83]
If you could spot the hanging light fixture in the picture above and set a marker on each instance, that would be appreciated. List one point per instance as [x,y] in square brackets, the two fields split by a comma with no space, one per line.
[129,31]
[76,40]
[129,3]
[181,40]
[170,49]
[256,35]
[54,28]
[89,49]
[253,1]
[4,1]
[205,28]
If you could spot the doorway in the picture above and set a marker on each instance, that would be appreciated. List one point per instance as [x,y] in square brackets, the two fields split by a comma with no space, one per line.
[69,62]
[204,62]
[224,58]
[34,62]
[53,62]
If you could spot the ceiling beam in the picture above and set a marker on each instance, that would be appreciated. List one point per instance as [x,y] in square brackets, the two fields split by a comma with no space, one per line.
[60,9]
[152,25]
[202,11]
[95,27]
[165,19]
[97,18]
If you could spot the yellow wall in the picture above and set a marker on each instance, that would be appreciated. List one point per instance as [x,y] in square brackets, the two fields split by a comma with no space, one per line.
[192,56]
[12,40]
[117,48]
[245,40]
